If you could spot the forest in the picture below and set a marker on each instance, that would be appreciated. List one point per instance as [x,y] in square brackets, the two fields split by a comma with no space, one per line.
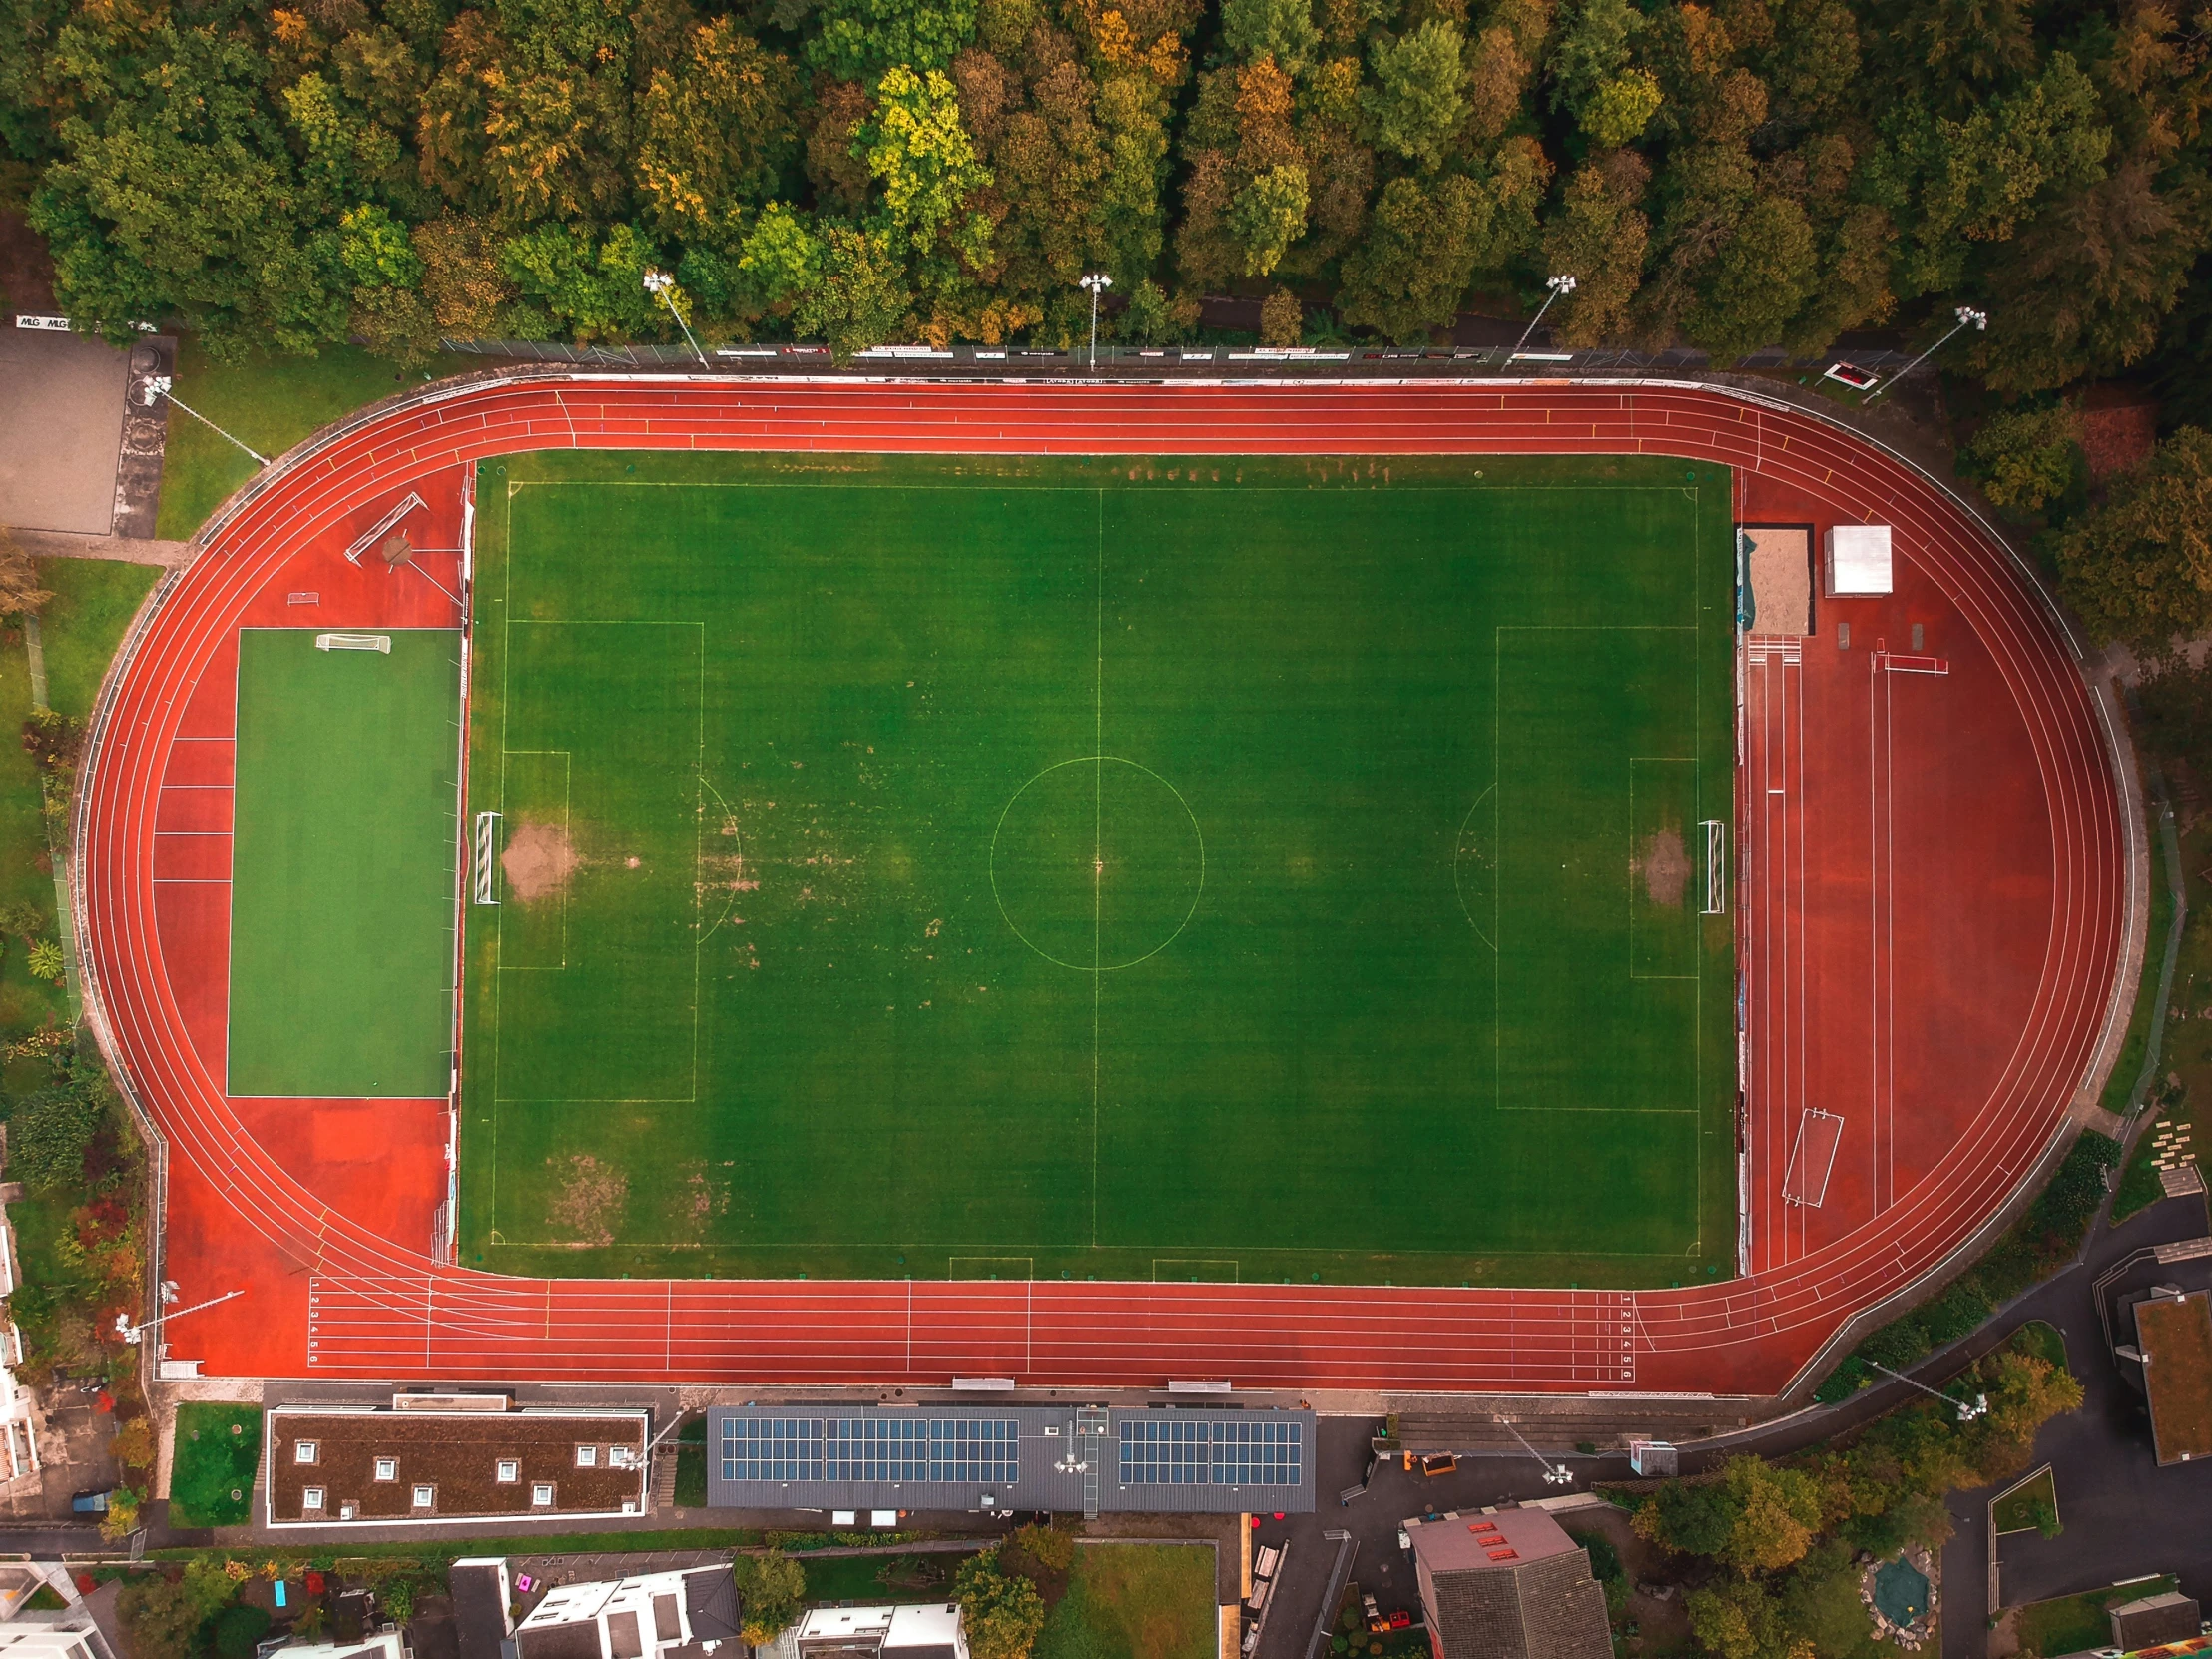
[1732,176]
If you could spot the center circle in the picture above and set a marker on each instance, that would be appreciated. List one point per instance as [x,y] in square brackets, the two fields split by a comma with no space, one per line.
[1097,863]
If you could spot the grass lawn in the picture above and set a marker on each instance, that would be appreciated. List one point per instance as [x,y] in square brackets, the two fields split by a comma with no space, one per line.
[219,1448]
[343,890]
[2016,1511]
[269,404]
[864,1577]
[1083,869]
[93,602]
[1135,1601]
[2043,1340]
[2072,1624]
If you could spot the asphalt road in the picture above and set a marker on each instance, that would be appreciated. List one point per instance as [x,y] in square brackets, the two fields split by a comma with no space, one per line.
[2123,1516]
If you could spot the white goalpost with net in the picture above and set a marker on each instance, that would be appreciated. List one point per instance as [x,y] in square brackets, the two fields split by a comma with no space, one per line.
[487,854]
[353,642]
[1716,867]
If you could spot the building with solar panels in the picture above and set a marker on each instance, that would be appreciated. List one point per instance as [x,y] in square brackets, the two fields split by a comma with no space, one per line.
[1087,1459]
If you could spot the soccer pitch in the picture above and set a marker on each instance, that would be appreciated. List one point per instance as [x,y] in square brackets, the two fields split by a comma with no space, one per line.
[1252,870]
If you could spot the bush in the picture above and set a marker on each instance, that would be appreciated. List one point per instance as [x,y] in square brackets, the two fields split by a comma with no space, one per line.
[771,1590]
[2024,458]
[49,1131]
[1050,1547]
[237,1629]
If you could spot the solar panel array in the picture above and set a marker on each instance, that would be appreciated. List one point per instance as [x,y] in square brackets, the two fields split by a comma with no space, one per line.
[1171,1451]
[961,1450]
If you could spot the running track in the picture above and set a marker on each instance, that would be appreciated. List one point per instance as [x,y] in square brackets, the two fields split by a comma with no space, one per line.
[339,1290]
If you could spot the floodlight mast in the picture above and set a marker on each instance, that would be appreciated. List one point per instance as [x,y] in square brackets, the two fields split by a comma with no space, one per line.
[1558,286]
[661,286]
[158,386]
[1967,318]
[1097,282]
[1555,1474]
[134,1333]
[1968,1411]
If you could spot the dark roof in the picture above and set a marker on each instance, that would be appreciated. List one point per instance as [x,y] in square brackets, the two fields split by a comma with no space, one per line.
[559,1641]
[2147,1623]
[666,1627]
[624,1639]
[930,1650]
[1543,1609]
[711,1600]
[479,1619]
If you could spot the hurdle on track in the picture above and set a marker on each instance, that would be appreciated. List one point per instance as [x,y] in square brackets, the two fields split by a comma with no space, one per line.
[376,532]
[353,642]
[1716,867]
[487,844]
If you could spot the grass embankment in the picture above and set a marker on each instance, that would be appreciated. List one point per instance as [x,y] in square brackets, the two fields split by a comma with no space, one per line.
[2030,1507]
[269,404]
[79,628]
[219,1448]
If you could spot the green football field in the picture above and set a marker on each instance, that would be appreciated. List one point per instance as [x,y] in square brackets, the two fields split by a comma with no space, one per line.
[1231,869]
[341,883]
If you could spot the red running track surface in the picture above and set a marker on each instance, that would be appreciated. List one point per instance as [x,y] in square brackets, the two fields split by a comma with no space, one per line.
[1933,910]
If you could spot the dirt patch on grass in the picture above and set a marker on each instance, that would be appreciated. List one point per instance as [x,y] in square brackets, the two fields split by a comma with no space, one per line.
[1664,864]
[592,1197]
[538,861]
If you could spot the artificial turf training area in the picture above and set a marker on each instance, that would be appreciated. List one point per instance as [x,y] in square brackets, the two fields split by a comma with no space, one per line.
[342,869]
[1257,870]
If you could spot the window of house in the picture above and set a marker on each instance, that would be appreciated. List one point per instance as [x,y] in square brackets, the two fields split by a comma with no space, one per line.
[541,1495]
[510,1470]
[387,1468]
[347,1510]
[587,1456]
[311,1499]
[425,1496]
[303,1451]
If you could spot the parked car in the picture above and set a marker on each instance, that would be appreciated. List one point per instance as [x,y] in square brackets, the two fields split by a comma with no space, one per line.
[91,1504]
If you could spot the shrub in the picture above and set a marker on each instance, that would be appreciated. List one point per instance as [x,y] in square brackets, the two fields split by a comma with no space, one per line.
[2024,458]
[237,1629]
[771,1590]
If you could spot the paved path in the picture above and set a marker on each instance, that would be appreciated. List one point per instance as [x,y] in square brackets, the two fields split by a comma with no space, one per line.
[63,544]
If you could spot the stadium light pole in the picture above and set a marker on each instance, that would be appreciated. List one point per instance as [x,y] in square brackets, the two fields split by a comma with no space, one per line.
[132,1334]
[1558,286]
[1966,316]
[1968,1411]
[1097,282]
[157,386]
[1555,1474]
[661,286]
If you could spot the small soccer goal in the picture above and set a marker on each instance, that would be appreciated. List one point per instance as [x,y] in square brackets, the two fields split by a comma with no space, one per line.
[353,642]
[488,852]
[1716,867]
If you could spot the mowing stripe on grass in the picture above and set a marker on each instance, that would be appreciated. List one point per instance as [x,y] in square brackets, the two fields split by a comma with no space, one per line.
[341,883]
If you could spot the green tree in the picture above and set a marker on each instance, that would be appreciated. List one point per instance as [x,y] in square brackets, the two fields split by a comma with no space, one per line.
[237,1629]
[918,150]
[1738,1619]
[1004,1612]
[1415,101]
[772,1588]
[1599,235]
[860,299]
[1756,280]
[1595,41]
[1691,1519]
[1621,108]
[860,39]
[1777,1512]
[715,128]
[1267,216]
[176,192]
[1281,29]
[2025,457]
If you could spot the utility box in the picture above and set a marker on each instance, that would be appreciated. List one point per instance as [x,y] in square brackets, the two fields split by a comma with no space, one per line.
[1857,562]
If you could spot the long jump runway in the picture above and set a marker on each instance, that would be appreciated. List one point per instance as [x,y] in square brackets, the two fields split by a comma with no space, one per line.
[1939,970]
